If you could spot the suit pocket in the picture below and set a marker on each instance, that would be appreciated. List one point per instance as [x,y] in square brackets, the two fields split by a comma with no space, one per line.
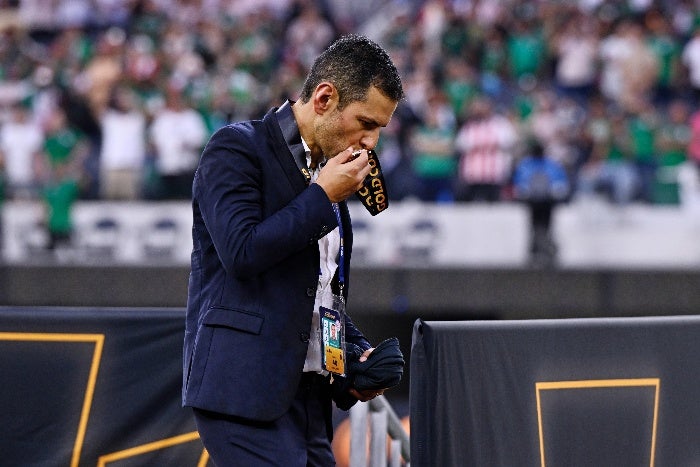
[234,319]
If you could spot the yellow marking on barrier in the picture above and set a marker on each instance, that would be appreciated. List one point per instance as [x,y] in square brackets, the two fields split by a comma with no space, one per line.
[98,340]
[599,383]
[49,337]
[204,459]
[154,446]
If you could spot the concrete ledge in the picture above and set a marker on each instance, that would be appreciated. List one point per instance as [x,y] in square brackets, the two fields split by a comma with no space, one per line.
[591,234]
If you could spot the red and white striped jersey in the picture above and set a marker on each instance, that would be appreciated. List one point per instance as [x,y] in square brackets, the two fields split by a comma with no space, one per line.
[485,148]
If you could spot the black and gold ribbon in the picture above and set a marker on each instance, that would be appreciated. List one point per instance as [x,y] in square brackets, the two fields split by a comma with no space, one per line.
[373,194]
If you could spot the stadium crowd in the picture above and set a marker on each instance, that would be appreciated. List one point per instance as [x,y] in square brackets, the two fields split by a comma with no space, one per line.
[114,99]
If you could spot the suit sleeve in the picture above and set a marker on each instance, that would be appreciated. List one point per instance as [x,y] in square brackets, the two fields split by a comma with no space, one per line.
[229,192]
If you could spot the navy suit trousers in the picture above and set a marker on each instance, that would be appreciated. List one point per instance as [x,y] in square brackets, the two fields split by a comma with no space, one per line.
[298,439]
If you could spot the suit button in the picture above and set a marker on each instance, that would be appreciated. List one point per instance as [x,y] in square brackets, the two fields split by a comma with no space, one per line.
[304,336]
[310,292]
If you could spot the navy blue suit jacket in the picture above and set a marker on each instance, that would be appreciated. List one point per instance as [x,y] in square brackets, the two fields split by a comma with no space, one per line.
[255,264]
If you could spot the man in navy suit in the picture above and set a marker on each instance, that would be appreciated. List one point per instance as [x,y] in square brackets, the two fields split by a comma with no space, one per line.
[272,242]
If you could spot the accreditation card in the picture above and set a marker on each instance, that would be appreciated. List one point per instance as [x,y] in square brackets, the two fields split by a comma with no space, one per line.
[333,339]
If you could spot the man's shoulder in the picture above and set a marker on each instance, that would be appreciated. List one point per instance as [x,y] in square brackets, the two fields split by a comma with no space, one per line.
[244,128]
[248,137]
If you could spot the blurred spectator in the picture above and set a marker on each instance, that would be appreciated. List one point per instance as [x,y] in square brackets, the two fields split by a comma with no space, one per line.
[123,149]
[545,124]
[82,118]
[308,33]
[597,130]
[178,134]
[186,13]
[15,61]
[433,155]
[640,68]
[575,49]
[431,22]
[485,143]
[73,13]
[396,168]
[38,15]
[672,142]
[142,66]
[689,173]
[460,85]
[526,46]
[540,182]
[399,32]
[489,14]
[178,51]
[64,146]
[667,48]
[573,148]
[493,63]
[683,15]
[609,170]
[694,143]
[691,60]
[21,142]
[103,70]
[60,193]
[629,66]
[253,47]
[65,149]
[419,83]
[69,53]
[455,41]
[245,91]
[642,127]
[44,96]
[108,13]
[149,19]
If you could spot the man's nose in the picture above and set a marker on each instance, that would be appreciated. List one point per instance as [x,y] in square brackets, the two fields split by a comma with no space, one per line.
[369,141]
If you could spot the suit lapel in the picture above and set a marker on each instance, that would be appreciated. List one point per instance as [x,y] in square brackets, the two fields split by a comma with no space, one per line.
[288,149]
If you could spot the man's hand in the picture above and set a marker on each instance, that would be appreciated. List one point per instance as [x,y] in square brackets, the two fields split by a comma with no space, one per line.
[342,175]
[366,394]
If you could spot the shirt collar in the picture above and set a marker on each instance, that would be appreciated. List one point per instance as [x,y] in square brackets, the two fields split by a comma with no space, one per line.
[307,151]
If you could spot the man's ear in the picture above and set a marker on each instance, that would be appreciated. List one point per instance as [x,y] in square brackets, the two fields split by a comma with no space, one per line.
[325,97]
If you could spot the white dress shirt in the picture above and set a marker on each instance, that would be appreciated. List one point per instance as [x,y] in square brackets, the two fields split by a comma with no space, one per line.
[328,247]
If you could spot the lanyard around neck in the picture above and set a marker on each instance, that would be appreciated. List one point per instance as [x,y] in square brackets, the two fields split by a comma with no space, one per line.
[341,252]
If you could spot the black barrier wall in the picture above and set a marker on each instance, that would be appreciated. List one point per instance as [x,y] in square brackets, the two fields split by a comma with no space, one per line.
[577,392]
[385,301]
[94,387]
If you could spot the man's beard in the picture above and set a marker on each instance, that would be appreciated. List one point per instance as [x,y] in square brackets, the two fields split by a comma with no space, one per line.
[329,136]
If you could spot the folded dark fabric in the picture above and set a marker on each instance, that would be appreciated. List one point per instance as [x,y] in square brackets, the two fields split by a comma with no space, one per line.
[382,370]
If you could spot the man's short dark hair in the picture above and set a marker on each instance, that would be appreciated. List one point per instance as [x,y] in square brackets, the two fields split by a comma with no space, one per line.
[353,64]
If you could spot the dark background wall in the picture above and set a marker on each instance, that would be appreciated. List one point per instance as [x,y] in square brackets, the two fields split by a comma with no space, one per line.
[386,302]
[460,293]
